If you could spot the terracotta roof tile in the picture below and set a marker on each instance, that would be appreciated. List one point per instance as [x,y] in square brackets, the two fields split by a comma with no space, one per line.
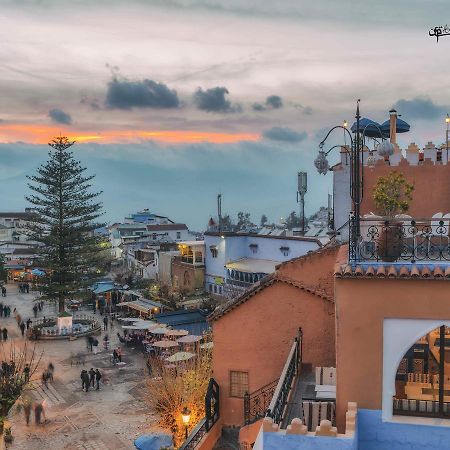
[370,272]
[415,272]
[348,271]
[404,272]
[426,273]
[392,272]
[381,271]
[359,272]
[447,272]
[438,273]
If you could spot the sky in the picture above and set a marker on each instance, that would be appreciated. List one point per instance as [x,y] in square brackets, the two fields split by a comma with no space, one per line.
[174,101]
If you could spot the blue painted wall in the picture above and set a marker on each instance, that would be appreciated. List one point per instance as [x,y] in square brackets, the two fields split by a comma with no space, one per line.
[278,441]
[373,434]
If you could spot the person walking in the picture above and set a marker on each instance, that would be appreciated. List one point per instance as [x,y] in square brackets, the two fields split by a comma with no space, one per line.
[98,377]
[22,328]
[38,412]
[50,371]
[86,380]
[29,322]
[105,323]
[115,356]
[5,334]
[82,379]
[27,410]
[90,342]
[26,373]
[3,291]
[119,354]
[45,378]
[95,344]
[92,377]
[35,310]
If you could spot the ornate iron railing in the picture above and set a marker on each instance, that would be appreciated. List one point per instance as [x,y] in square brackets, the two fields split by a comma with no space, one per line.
[286,382]
[400,239]
[257,403]
[212,408]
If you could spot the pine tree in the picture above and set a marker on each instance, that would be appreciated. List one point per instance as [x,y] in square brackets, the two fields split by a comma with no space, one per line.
[65,219]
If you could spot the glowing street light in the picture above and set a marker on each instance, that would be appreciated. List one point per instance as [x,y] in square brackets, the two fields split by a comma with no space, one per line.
[186,416]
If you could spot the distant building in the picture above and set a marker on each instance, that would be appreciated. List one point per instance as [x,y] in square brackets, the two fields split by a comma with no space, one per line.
[234,261]
[188,269]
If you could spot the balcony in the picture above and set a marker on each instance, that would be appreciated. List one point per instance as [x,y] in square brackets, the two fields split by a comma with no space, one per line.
[400,240]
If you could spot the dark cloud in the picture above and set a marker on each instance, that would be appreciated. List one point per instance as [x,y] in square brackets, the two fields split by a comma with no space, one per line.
[214,100]
[420,108]
[125,94]
[304,109]
[92,102]
[284,134]
[59,116]
[272,102]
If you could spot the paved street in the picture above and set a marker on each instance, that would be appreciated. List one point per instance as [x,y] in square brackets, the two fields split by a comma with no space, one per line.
[107,419]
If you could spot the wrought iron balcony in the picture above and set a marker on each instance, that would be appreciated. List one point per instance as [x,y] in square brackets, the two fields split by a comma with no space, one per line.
[400,240]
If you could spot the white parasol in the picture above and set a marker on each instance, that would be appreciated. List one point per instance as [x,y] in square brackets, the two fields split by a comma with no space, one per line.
[180,356]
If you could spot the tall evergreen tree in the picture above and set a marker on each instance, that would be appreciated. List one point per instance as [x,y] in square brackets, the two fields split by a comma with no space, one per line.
[66,214]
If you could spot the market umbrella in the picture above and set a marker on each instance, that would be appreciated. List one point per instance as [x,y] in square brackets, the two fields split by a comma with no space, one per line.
[180,356]
[190,339]
[159,330]
[153,441]
[207,345]
[177,333]
[37,273]
[165,344]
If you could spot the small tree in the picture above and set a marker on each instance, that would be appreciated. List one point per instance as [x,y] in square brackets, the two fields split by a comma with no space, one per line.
[264,220]
[64,222]
[13,375]
[392,194]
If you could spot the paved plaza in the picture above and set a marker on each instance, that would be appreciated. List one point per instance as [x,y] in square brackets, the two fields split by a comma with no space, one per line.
[110,418]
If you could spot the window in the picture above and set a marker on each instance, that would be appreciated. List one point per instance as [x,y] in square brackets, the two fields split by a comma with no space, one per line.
[284,250]
[154,236]
[238,384]
[214,251]
[253,248]
[178,234]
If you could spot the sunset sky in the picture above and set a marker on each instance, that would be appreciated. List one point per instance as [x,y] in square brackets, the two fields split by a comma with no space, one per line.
[173,101]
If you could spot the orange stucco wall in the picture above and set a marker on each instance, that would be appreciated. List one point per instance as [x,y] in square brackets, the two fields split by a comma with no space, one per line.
[431,181]
[361,306]
[256,337]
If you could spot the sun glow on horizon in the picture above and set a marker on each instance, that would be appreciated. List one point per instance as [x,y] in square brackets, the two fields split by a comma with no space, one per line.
[41,134]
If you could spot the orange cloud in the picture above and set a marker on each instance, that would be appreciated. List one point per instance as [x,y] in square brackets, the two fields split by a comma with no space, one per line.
[41,134]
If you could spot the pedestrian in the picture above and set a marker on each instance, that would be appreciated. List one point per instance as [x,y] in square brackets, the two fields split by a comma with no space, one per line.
[95,344]
[92,376]
[38,412]
[115,357]
[27,409]
[27,287]
[105,323]
[1,309]
[3,291]
[86,380]
[50,371]
[98,377]
[90,342]
[26,373]
[45,378]
[35,310]
[29,322]
[119,354]
[5,334]
[82,379]
[22,328]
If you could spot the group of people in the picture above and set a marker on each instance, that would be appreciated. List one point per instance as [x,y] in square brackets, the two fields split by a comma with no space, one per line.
[5,310]
[24,288]
[21,324]
[38,306]
[38,411]
[91,378]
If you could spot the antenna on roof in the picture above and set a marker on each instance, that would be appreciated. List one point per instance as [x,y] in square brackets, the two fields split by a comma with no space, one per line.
[219,210]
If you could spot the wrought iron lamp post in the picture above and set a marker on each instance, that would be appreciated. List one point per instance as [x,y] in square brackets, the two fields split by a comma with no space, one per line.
[186,416]
[357,144]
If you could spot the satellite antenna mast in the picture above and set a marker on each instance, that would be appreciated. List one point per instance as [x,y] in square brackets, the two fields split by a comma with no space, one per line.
[302,188]
[219,210]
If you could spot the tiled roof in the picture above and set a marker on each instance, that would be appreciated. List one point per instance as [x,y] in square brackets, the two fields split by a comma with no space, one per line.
[410,271]
[265,282]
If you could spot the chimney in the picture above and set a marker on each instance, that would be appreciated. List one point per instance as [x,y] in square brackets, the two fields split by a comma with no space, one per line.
[393,125]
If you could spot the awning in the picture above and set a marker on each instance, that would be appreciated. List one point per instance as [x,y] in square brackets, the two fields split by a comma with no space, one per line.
[142,305]
[251,265]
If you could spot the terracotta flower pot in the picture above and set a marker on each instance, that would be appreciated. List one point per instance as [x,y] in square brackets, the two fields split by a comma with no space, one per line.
[390,241]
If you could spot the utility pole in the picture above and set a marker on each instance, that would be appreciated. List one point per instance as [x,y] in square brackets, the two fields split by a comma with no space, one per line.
[302,183]
[219,210]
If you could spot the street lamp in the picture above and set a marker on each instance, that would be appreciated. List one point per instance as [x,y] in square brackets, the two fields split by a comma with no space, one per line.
[357,144]
[186,416]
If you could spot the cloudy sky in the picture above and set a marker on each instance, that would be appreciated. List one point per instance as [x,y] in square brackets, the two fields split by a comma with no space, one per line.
[173,101]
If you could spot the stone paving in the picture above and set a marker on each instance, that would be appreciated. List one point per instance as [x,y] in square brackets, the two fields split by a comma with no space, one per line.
[110,418]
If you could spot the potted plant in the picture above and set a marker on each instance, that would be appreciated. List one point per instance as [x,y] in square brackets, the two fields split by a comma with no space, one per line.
[391,195]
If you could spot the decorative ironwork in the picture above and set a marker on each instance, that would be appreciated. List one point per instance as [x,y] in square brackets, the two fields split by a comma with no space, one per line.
[257,403]
[290,373]
[212,408]
[401,239]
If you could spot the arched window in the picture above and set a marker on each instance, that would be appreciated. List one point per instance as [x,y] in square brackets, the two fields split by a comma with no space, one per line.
[418,387]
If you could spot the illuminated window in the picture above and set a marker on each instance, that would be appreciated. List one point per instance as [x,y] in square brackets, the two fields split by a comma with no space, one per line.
[178,234]
[238,384]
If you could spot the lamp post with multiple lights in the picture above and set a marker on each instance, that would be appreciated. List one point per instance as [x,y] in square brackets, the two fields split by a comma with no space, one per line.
[357,144]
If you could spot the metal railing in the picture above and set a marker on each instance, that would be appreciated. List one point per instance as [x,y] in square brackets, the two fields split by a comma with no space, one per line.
[257,403]
[291,370]
[400,239]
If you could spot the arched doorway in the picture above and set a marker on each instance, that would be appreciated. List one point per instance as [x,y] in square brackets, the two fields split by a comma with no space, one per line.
[418,387]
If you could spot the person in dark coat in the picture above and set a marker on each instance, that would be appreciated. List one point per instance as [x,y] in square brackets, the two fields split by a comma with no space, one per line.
[98,377]
[86,380]
[22,328]
[35,310]
[5,334]
[38,412]
[83,380]
[92,377]
[29,322]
